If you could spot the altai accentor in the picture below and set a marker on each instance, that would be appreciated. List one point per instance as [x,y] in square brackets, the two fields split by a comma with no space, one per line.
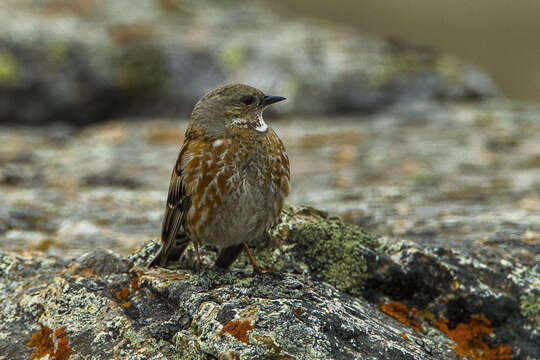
[230,179]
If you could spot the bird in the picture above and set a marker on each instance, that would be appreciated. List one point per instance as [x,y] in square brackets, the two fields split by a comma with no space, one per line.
[229,181]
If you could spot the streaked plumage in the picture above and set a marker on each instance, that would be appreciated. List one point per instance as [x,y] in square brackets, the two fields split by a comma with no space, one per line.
[230,179]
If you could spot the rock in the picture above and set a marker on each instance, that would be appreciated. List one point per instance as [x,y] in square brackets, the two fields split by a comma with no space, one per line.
[100,262]
[450,190]
[335,292]
[161,313]
[81,62]
[111,180]
[307,242]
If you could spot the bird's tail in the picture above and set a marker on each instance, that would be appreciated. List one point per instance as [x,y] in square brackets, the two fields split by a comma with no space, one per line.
[172,253]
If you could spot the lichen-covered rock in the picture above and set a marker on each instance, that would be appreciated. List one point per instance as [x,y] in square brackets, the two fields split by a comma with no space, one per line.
[307,241]
[164,314]
[391,300]
[83,61]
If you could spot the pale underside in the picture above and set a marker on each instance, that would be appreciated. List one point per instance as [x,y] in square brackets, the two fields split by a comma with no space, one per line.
[244,196]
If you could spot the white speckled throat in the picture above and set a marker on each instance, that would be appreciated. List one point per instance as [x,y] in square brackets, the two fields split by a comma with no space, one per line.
[261,124]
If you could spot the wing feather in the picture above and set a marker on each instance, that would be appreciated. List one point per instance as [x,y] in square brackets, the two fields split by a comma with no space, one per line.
[178,203]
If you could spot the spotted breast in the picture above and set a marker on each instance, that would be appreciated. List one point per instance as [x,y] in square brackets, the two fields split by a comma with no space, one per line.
[237,188]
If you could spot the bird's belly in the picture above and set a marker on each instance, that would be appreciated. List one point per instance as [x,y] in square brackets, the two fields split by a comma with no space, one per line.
[245,214]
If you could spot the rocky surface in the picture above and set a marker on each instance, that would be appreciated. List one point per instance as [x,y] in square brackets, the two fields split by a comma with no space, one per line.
[84,60]
[451,192]
[102,305]
[182,315]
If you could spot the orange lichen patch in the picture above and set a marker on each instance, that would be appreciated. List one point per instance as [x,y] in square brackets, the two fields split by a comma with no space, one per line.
[122,294]
[403,335]
[401,313]
[238,329]
[63,350]
[44,344]
[125,292]
[60,332]
[135,281]
[469,341]
[43,341]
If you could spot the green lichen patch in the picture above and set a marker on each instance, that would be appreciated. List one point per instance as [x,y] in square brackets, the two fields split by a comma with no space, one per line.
[333,251]
[530,305]
[306,240]
[9,69]
[210,278]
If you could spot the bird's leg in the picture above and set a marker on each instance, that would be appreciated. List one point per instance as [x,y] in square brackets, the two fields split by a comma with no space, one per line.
[228,255]
[198,256]
[256,268]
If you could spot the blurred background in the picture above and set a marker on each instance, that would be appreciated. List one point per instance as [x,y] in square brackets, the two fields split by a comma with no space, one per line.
[501,37]
[415,120]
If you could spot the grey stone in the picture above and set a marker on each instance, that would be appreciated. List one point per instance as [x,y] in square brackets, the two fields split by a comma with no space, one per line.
[315,321]
[88,62]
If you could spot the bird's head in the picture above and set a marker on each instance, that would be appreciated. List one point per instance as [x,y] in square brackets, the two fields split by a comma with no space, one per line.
[232,109]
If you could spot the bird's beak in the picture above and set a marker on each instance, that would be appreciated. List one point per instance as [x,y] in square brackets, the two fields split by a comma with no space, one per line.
[270,99]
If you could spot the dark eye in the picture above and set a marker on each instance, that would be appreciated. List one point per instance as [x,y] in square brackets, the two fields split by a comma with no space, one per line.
[248,99]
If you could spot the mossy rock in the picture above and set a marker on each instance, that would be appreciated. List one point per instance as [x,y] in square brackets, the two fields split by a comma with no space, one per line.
[307,241]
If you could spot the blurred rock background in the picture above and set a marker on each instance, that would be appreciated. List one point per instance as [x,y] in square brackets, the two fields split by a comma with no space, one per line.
[498,36]
[85,61]
[411,142]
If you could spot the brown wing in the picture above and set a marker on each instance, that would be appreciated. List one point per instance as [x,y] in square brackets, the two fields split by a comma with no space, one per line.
[178,202]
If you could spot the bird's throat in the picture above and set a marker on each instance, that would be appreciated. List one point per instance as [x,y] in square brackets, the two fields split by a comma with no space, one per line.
[261,126]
